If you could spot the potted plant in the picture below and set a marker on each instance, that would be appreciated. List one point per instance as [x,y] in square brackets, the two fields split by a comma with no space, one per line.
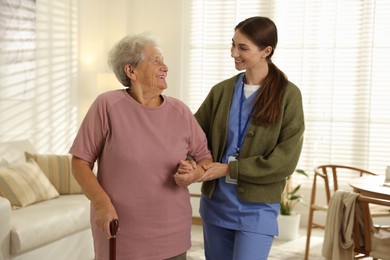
[288,220]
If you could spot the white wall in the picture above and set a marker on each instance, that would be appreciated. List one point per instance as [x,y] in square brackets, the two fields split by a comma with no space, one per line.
[104,22]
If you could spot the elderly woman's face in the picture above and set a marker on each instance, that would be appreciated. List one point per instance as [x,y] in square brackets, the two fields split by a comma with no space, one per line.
[152,71]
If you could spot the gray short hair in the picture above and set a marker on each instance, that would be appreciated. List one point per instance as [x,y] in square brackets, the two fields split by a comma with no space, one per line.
[129,50]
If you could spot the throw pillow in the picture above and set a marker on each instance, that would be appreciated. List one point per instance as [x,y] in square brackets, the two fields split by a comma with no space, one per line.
[58,168]
[24,184]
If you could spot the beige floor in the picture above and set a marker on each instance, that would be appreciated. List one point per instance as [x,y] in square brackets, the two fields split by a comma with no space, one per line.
[299,243]
[296,245]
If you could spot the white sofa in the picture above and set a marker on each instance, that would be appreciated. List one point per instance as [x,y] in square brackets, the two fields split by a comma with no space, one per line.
[57,228]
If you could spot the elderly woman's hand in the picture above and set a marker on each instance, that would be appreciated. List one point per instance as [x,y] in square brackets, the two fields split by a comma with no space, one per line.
[186,166]
[104,214]
[190,172]
[185,174]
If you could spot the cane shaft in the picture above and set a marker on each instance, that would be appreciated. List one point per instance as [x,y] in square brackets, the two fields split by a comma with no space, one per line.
[114,225]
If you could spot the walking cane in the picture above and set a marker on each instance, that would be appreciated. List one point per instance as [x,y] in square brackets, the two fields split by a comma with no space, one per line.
[114,225]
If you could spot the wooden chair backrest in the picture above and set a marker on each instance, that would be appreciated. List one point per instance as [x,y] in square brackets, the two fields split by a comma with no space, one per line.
[329,173]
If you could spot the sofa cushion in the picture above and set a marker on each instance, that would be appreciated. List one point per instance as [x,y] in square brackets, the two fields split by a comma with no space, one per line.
[24,184]
[48,221]
[58,169]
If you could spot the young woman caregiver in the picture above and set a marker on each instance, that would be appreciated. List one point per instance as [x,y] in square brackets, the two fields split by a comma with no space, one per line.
[254,124]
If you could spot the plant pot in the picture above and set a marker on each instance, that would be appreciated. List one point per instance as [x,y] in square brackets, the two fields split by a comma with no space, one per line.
[288,226]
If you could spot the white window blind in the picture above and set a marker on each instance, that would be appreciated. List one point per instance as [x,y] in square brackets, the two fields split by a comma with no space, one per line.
[17,45]
[337,53]
[38,71]
[57,71]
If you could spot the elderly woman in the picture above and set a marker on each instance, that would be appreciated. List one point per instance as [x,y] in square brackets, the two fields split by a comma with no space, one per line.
[139,136]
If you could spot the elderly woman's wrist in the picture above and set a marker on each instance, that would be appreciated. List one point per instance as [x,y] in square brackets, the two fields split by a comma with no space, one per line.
[100,202]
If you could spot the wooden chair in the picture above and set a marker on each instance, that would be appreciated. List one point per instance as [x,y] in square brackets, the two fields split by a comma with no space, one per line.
[329,175]
[370,240]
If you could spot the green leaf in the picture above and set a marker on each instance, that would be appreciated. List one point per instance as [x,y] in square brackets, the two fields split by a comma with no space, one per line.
[295,189]
[290,198]
[300,171]
[295,197]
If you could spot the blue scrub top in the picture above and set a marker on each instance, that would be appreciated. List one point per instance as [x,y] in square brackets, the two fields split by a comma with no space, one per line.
[225,209]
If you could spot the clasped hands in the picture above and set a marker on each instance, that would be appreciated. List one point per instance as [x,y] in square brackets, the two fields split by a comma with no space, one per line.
[189,172]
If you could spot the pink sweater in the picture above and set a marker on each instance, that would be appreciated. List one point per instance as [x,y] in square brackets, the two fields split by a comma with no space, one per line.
[138,150]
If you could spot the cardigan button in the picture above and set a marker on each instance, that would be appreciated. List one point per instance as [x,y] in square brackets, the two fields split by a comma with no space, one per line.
[240,190]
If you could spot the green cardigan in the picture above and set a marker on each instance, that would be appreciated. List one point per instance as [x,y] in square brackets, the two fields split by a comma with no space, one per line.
[269,153]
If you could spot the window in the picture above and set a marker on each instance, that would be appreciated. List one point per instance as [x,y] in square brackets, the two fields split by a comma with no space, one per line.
[335,51]
[17,56]
[38,71]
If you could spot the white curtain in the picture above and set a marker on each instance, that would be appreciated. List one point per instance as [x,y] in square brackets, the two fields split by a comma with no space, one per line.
[336,51]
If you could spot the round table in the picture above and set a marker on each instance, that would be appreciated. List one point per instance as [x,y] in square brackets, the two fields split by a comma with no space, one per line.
[372,186]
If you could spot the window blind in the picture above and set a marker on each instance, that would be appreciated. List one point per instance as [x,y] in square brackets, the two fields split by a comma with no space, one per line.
[335,51]
[17,45]
[57,71]
[38,71]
